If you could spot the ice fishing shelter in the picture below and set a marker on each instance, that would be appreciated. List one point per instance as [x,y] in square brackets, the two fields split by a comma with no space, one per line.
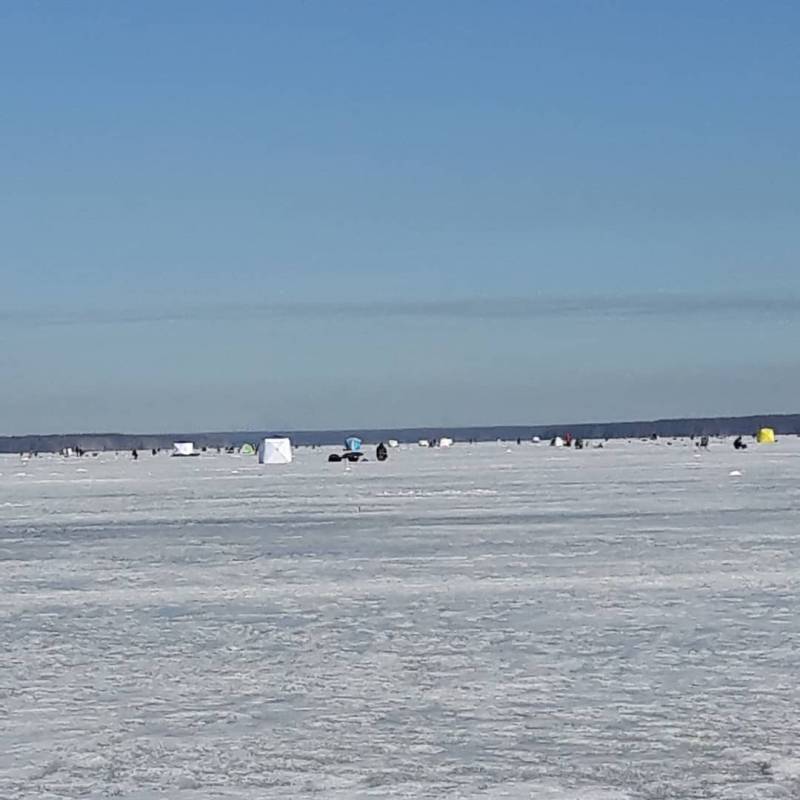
[766,436]
[352,443]
[183,449]
[445,441]
[247,449]
[275,451]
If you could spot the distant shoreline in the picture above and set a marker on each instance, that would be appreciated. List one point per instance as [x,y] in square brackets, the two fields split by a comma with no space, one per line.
[687,426]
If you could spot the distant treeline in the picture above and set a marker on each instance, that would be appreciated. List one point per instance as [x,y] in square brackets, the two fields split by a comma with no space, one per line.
[711,426]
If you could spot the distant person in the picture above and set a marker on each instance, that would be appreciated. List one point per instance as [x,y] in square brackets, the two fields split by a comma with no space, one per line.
[135,455]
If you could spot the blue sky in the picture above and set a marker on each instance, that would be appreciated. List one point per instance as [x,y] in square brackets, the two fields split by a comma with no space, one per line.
[316,214]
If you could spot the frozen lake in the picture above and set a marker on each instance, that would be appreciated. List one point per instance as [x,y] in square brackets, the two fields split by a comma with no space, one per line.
[483,622]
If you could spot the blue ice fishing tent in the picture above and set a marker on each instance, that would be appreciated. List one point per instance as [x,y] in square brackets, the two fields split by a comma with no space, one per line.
[353,444]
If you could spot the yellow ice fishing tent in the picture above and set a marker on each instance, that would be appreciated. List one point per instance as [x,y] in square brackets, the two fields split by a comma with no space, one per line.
[766,436]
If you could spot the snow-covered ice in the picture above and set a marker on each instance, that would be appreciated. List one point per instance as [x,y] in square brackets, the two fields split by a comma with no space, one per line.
[477,622]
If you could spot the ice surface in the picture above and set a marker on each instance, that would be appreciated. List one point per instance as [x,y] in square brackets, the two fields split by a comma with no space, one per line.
[479,622]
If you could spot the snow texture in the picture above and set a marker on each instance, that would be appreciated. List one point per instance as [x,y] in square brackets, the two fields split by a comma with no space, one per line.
[485,621]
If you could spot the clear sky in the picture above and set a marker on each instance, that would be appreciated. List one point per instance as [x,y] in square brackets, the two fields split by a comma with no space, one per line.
[228,215]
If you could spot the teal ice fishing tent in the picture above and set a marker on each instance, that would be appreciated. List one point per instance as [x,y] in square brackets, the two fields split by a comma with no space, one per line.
[353,444]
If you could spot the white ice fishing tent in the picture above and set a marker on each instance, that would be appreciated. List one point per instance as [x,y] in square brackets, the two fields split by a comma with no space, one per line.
[393,443]
[557,441]
[183,448]
[275,451]
[445,441]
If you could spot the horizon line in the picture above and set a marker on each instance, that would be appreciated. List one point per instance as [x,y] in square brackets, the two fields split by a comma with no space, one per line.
[409,428]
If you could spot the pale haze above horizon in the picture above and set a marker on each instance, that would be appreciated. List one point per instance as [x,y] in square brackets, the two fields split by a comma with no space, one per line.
[286,215]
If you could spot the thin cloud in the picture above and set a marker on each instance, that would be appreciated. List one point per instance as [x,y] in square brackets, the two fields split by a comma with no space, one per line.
[660,305]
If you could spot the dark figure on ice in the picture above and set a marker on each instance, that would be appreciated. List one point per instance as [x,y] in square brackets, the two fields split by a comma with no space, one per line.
[135,455]
[381,453]
[738,444]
